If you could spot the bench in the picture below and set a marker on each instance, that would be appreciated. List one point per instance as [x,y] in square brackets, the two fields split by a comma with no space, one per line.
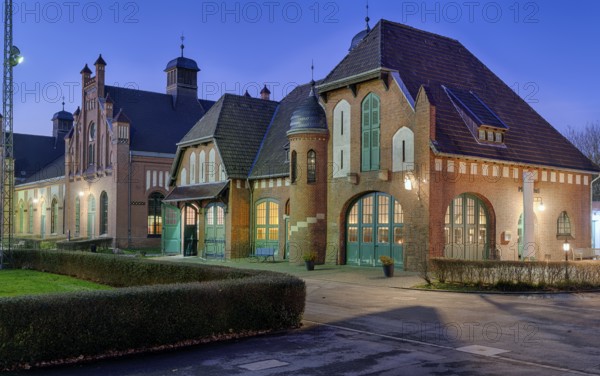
[265,253]
[586,253]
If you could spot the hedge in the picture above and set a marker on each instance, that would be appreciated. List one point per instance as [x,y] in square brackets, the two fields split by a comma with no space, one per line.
[176,308]
[579,274]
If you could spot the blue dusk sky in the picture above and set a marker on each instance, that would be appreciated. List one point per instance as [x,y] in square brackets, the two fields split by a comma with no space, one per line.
[546,50]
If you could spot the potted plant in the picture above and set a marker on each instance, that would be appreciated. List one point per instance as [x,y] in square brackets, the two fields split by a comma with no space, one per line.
[388,265]
[309,260]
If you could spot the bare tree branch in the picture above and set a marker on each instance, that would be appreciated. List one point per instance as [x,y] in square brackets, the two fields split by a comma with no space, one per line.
[587,140]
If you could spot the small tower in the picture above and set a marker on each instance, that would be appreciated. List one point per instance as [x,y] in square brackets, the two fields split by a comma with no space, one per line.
[62,122]
[182,77]
[265,93]
[100,65]
[308,136]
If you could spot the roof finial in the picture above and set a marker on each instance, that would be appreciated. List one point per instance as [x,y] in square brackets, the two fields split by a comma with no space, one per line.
[63,103]
[312,73]
[367,18]
[182,46]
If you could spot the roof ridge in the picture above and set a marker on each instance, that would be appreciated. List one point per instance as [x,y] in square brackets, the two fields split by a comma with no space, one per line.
[404,26]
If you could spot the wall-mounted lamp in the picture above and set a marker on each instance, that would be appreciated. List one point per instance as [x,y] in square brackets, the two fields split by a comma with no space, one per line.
[35,200]
[541,206]
[80,193]
[407,183]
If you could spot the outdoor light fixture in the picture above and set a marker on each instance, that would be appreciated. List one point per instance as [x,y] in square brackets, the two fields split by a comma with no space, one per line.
[15,56]
[541,206]
[80,193]
[35,200]
[566,248]
[407,183]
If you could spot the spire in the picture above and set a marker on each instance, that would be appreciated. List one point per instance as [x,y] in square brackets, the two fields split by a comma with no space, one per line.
[312,79]
[367,19]
[246,94]
[100,61]
[86,70]
[182,46]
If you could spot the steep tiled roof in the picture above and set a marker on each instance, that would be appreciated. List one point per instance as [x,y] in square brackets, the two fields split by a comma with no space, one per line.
[196,192]
[423,59]
[156,124]
[237,124]
[54,169]
[271,160]
[33,153]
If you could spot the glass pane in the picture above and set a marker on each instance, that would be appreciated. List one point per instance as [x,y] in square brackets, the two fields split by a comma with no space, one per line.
[261,233]
[273,234]
[447,234]
[447,218]
[482,239]
[220,216]
[210,216]
[383,235]
[458,235]
[353,234]
[261,214]
[471,235]
[398,235]
[367,207]
[470,211]
[458,211]
[482,216]
[353,216]
[273,213]
[367,235]
[398,213]
[383,209]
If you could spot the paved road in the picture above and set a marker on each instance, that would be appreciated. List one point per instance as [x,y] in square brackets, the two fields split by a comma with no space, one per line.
[352,329]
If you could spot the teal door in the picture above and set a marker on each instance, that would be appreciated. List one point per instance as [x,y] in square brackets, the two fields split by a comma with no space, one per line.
[466,229]
[267,225]
[190,231]
[374,228]
[214,231]
[171,231]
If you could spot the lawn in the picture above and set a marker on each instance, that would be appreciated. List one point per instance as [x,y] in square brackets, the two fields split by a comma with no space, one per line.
[28,282]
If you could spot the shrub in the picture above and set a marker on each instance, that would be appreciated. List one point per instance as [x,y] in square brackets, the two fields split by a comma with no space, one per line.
[165,303]
[515,275]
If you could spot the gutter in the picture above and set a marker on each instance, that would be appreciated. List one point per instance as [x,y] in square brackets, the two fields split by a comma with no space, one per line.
[511,163]
[374,73]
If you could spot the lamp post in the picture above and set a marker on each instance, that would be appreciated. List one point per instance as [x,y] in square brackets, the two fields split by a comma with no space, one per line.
[566,248]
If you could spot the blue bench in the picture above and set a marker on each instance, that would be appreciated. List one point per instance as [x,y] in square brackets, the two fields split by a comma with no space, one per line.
[265,253]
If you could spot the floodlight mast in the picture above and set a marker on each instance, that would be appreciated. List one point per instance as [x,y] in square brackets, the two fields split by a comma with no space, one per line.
[7,182]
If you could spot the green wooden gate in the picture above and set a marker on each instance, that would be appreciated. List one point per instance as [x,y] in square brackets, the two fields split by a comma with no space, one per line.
[374,227]
[171,231]
[214,231]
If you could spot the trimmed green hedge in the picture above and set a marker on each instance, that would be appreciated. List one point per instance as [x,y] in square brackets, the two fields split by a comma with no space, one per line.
[508,274]
[175,307]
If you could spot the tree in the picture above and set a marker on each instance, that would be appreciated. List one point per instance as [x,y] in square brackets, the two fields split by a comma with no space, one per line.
[587,140]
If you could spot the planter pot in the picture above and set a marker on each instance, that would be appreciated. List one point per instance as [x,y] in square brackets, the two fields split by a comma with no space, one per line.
[388,270]
[310,265]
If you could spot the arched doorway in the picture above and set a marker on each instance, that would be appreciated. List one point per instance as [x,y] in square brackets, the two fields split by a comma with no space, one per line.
[467,228]
[214,230]
[190,231]
[374,228]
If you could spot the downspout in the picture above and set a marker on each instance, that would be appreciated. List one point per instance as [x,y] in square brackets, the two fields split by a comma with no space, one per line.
[129,203]
[250,219]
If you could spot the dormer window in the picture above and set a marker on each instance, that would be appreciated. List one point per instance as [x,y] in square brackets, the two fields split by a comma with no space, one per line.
[484,124]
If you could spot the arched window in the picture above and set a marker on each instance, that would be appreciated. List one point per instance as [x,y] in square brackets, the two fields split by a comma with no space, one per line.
[91,143]
[202,161]
[91,220]
[53,216]
[77,216]
[193,168]
[183,177]
[211,166]
[103,213]
[311,167]
[294,167]
[21,215]
[155,214]
[267,224]
[30,218]
[403,150]
[467,229]
[341,139]
[563,225]
[370,133]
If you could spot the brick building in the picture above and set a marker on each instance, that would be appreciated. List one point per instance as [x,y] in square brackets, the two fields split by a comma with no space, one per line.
[410,147]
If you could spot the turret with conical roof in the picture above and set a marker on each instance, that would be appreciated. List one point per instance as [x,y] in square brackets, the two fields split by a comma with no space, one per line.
[308,136]
[62,122]
[361,34]
[100,65]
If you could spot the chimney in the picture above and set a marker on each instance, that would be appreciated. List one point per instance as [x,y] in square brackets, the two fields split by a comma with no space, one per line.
[265,93]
